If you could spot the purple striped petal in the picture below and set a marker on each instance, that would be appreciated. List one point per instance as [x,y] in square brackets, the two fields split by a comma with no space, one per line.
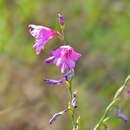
[50,59]
[57,115]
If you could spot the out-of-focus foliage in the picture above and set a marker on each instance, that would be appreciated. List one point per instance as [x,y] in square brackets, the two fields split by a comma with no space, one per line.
[100,30]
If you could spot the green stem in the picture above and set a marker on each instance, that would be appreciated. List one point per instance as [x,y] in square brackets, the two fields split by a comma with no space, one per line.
[70,92]
[114,102]
[71,96]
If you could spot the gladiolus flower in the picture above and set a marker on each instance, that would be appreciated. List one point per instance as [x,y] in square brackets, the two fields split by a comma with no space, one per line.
[42,35]
[57,115]
[65,57]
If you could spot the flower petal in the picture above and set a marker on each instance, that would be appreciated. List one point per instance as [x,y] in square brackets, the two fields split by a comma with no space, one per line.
[57,115]
[50,59]
[54,82]
[68,75]
[71,64]
[58,61]
[63,68]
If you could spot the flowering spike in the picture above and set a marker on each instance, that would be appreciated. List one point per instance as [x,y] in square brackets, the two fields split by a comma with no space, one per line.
[42,35]
[57,115]
[61,20]
[120,115]
[65,57]
[74,100]
[54,82]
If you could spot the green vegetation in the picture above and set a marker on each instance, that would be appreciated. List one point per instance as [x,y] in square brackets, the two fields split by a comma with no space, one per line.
[99,30]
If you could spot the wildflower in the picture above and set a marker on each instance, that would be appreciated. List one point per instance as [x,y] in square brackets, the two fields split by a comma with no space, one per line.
[57,82]
[65,57]
[74,100]
[57,115]
[120,115]
[128,91]
[61,19]
[42,35]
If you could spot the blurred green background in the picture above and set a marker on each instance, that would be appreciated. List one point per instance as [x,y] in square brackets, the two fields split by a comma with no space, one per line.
[98,29]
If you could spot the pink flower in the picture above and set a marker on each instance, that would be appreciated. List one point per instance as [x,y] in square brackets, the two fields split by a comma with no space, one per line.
[42,35]
[65,57]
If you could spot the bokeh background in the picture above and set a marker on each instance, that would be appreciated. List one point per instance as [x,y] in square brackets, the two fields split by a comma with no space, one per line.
[99,30]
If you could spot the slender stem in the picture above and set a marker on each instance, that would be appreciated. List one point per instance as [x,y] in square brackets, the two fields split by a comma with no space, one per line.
[62,30]
[71,96]
[70,91]
[114,102]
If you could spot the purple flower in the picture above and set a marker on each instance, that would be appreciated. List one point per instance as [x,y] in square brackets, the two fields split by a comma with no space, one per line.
[128,91]
[74,100]
[120,115]
[61,19]
[54,82]
[57,115]
[42,35]
[65,57]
